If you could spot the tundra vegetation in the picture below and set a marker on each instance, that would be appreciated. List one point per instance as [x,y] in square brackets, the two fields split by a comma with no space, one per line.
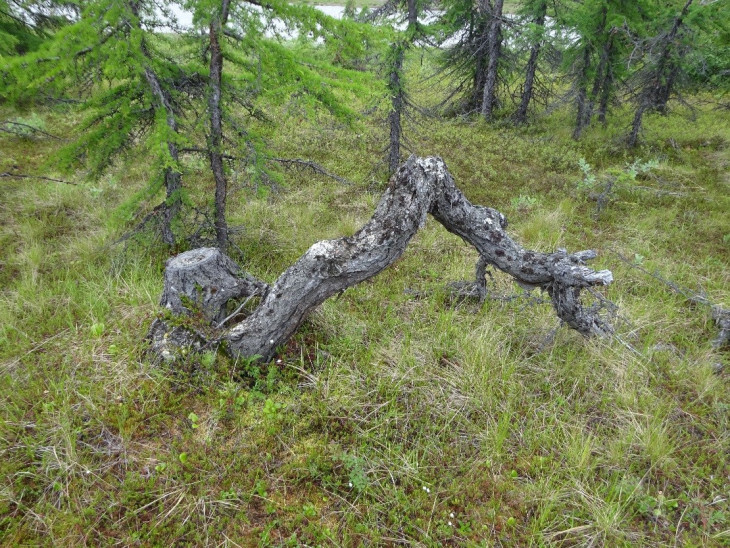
[401,411]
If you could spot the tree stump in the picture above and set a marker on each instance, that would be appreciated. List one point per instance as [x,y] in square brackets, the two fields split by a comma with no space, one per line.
[205,280]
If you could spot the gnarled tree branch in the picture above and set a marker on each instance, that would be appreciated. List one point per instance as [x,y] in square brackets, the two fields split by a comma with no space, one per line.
[420,187]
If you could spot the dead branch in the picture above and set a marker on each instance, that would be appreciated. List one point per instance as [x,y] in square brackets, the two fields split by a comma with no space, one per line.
[420,187]
[297,163]
[26,127]
[40,177]
[720,315]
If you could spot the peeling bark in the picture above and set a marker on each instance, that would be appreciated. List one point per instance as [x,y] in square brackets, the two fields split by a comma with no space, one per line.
[421,186]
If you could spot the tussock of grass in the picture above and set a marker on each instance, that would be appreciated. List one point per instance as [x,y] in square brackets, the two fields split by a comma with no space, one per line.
[394,416]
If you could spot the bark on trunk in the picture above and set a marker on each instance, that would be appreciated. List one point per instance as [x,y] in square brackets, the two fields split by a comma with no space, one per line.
[173,178]
[530,71]
[412,14]
[216,124]
[494,46]
[421,186]
[601,80]
[636,124]
[582,96]
[584,101]
[397,101]
[397,93]
[606,91]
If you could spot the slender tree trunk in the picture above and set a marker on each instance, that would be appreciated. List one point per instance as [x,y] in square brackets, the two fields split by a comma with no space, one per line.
[494,45]
[480,62]
[397,102]
[606,89]
[636,124]
[216,124]
[521,115]
[412,14]
[584,101]
[173,178]
[582,96]
[664,91]
[397,93]
[601,80]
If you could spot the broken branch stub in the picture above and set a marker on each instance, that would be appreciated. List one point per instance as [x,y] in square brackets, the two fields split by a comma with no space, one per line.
[421,186]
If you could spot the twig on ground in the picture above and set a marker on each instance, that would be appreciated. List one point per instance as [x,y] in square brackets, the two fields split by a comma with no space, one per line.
[298,163]
[720,315]
[40,177]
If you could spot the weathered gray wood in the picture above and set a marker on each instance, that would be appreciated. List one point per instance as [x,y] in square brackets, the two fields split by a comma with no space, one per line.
[421,186]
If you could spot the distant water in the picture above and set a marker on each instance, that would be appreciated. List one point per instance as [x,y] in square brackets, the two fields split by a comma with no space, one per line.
[185,18]
[333,11]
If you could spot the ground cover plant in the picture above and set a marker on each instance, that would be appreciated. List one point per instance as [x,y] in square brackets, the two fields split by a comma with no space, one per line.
[395,415]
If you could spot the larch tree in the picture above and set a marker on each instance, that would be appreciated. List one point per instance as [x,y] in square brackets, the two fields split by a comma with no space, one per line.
[397,13]
[111,63]
[247,37]
[464,29]
[144,86]
[492,10]
[677,31]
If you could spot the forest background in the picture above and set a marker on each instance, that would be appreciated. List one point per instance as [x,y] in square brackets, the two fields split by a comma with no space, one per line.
[396,414]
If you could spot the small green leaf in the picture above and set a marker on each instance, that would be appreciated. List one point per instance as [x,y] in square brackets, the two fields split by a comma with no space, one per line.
[97,329]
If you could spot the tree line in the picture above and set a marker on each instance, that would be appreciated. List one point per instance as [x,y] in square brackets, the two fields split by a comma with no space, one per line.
[593,54]
[145,83]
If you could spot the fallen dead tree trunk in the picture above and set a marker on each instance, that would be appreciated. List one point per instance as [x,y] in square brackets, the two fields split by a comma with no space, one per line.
[421,186]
